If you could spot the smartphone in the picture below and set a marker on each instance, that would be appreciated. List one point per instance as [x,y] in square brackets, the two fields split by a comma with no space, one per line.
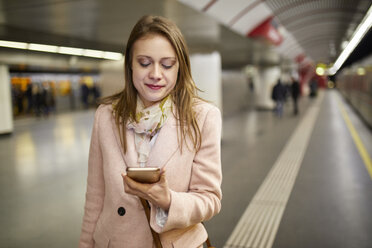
[144,175]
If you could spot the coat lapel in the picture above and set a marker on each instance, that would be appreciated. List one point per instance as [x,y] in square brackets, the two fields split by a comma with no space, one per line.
[165,145]
[130,157]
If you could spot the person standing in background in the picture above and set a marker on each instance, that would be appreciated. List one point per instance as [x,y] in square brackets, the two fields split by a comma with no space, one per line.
[278,95]
[313,88]
[84,91]
[29,98]
[295,92]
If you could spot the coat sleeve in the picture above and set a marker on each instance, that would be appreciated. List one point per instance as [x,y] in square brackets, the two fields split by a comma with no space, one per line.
[203,199]
[95,188]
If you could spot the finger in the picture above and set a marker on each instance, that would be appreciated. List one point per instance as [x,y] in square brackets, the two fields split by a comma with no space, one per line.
[132,191]
[162,179]
[128,185]
[132,183]
[136,187]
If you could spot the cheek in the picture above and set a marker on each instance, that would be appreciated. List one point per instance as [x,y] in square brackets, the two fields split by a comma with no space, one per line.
[173,76]
[137,74]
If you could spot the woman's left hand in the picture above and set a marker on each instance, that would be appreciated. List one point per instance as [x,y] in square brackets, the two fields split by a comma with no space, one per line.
[157,193]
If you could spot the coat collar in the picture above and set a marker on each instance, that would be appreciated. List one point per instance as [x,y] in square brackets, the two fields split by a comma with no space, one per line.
[165,146]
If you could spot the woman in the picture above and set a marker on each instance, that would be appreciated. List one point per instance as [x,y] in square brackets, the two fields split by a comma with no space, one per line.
[156,121]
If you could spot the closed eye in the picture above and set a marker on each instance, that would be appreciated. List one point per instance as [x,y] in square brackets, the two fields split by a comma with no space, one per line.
[144,64]
[167,66]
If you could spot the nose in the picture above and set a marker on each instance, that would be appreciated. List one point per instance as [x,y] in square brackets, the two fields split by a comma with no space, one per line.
[155,73]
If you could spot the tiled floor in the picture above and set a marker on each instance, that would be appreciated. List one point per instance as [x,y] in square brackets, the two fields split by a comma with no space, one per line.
[44,165]
[43,175]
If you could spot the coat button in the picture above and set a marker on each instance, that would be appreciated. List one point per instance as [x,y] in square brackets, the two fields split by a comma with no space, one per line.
[121,211]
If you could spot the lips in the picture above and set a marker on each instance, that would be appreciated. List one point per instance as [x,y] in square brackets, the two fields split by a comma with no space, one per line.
[154,87]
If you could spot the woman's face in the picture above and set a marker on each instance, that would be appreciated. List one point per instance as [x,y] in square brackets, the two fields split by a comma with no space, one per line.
[154,68]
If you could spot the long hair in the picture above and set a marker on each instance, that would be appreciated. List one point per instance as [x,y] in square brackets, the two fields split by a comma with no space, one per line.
[183,95]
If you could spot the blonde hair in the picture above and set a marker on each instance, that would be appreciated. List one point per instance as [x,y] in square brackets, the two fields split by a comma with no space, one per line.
[183,94]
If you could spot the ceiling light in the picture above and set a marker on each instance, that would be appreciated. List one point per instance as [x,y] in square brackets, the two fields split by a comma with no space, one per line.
[93,53]
[360,31]
[42,48]
[13,44]
[113,56]
[70,51]
[319,71]
[62,50]
[361,71]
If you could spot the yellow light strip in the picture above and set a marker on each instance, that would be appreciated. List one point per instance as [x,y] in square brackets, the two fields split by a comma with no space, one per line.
[358,142]
[62,50]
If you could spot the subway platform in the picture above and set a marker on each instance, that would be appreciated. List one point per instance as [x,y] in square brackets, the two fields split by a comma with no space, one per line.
[295,181]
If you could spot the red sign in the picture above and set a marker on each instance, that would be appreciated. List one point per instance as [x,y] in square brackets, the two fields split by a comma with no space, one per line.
[267,30]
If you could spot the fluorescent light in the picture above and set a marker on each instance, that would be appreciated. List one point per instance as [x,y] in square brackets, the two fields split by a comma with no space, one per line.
[62,50]
[42,48]
[112,56]
[70,50]
[93,53]
[13,44]
[360,31]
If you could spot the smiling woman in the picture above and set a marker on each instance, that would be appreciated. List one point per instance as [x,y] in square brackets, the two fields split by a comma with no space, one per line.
[156,121]
[155,68]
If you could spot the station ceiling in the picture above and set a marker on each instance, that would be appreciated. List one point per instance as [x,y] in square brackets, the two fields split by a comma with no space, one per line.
[319,26]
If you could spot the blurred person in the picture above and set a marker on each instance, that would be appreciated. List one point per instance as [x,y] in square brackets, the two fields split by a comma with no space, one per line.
[28,94]
[156,121]
[278,95]
[14,99]
[36,97]
[96,92]
[295,93]
[46,100]
[313,88]
[51,97]
[250,84]
[84,91]
[18,93]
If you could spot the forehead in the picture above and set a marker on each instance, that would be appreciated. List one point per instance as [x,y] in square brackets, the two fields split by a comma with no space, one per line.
[153,45]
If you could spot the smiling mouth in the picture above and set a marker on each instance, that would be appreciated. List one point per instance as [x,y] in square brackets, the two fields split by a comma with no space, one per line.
[154,87]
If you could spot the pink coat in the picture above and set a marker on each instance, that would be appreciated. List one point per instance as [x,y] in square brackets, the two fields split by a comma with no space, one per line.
[115,219]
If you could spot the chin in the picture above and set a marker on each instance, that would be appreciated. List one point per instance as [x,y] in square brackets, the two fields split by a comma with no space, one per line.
[154,99]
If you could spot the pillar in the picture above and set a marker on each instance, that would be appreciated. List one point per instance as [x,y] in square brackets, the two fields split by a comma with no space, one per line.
[6,115]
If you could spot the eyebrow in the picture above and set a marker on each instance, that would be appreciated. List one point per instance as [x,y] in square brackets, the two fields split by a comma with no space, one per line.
[148,57]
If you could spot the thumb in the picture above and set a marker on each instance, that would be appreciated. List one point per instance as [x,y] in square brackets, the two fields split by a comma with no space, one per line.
[162,176]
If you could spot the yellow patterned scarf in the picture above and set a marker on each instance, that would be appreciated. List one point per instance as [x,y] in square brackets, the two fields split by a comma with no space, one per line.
[148,122]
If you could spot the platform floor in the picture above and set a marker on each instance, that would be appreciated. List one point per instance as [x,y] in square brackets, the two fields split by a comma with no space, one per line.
[44,167]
